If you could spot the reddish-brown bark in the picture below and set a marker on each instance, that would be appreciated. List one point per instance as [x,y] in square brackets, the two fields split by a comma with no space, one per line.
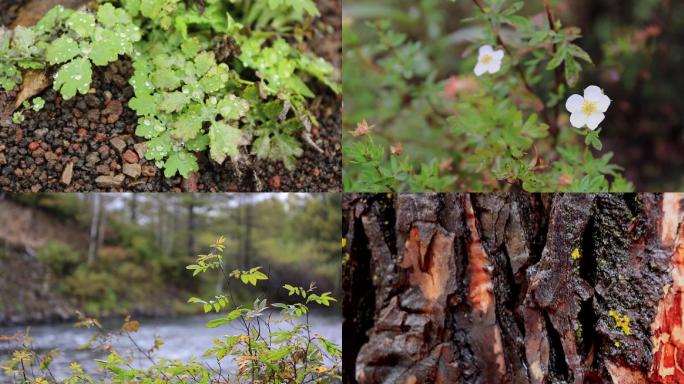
[514,288]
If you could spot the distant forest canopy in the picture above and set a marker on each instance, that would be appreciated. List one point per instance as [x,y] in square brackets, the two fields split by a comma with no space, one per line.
[109,254]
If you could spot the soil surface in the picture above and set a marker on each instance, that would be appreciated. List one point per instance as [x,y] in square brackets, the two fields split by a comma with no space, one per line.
[88,143]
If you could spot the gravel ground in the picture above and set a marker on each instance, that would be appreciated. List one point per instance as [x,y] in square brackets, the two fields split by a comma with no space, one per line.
[88,143]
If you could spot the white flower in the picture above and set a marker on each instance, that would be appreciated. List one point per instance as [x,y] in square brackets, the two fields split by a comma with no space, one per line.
[488,60]
[588,110]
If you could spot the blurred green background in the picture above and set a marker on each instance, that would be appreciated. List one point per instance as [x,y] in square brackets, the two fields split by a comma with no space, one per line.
[111,254]
[636,45]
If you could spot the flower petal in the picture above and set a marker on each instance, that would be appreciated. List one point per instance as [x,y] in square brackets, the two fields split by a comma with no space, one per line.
[494,66]
[594,120]
[592,93]
[603,103]
[498,54]
[574,103]
[485,49]
[578,120]
[480,68]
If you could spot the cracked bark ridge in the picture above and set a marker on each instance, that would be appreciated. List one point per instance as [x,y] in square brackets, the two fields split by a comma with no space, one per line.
[513,288]
[667,329]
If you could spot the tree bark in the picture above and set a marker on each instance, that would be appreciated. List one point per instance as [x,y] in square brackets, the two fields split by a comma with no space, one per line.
[192,224]
[134,208]
[94,227]
[513,288]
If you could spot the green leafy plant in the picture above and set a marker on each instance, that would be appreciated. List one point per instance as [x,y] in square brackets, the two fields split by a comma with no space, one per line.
[504,128]
[190,100]
[288,353]
[216,75]
[24,48]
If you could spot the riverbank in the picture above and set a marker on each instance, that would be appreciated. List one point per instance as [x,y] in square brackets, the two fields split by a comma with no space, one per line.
[184,338]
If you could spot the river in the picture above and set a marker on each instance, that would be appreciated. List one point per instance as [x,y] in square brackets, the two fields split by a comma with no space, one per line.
[184,337]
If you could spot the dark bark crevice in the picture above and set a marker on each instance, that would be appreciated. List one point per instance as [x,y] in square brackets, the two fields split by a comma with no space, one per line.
[513,288]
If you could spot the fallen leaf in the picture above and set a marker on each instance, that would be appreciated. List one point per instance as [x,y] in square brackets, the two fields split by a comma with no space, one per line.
[34,82]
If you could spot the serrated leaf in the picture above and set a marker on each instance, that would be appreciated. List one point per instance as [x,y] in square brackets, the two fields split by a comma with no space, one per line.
[107,48]
[199,143]
[173,101]
[232,107]
[24,40]
[287,149]
[83,23]
[50,20]
[61,50]
[190,47]
[143,104]
[225,141]
[262,147]
[149,127]
[109,16]
[215,79]
[73,77]
[165,78]
[186,127]
[180,162]
[159,147]
[141,83]
[203,62]
[151,8]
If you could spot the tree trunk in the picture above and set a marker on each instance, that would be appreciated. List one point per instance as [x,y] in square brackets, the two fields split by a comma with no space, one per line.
[513,288]
[192,225]
[94,227]
[134,208]
[249,223]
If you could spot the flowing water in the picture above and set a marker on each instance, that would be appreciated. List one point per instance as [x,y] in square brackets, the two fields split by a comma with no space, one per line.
[184,338]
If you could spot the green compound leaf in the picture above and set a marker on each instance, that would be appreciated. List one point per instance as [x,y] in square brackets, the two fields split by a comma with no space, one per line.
[72,77]
[232,107]
[180,162]
[215,79]
[203,62]
[173,101]
[165,78]
[199,143]
[320,69]
[141,83]
[262,147]
[109,16]
[186,127]
[24,40]
[159,147]
[52,18]
[282,147]
[144,104]
[149,127]
[225,141]
[62,50]
[82,23]
[190,47]
[107,47]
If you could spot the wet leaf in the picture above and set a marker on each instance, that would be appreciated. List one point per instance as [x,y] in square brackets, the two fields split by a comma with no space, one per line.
[73,77]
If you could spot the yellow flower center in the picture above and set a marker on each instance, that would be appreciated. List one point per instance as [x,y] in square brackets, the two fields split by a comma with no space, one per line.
[589,107]
[486,59]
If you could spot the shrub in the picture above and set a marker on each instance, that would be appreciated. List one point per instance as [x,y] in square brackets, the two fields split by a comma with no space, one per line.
[216,75]
[289,353]
[499,126]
